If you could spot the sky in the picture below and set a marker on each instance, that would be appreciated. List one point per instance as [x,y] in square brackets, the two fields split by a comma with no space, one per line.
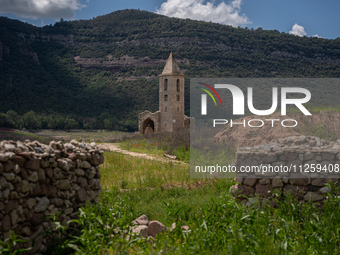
[298,17]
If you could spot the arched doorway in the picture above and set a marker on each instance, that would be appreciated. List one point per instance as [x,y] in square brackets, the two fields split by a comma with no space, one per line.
[148,126]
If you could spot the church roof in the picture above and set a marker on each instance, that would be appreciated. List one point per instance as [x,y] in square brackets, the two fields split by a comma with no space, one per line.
[171,66]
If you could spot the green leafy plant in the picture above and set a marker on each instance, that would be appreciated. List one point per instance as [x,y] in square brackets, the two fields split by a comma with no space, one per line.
[10,246]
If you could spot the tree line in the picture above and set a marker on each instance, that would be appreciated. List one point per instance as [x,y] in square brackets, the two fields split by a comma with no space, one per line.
[34,121]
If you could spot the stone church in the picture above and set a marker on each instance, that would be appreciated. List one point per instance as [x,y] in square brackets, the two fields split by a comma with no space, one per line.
[170,116]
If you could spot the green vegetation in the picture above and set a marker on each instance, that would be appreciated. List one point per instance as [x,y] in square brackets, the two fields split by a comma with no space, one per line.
[67,95]
[97,136]
[45,136]
[9,245]
[153,147]
[21,136]
[177,143]
[217,223]
[128,172]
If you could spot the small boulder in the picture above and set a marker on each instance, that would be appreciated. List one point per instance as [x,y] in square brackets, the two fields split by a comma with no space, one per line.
[141,220]
[155,227]
[311,196]
[42,205]
[325,190]
[141,230]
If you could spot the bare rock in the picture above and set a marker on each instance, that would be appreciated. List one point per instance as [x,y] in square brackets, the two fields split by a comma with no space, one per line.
[238,179]
[299,180]
[325,190]
[82,182]
[11,205]
[9,147]
[277,182]
[264,181]
[51,191]
[141,220]
[140,230]
[42,205]
[41,175]
[14,217]
[74,142]
[250,180]
[320,182]
[49,172]
[94,184]
[79,172]
[101,159]
[33,177]
[81,195]
[33,164]
[4,157]
[37,219]
[9,166]
[155,227]
[64,185]
[5,194]
[311,196]
[26,231]
[270,158]
[69,147]
[57,201]
[58,173]
[86,164]
[25,186]
[9,176]
[263,190]
[63,164]
[6,223]
[239,190]
[31,202]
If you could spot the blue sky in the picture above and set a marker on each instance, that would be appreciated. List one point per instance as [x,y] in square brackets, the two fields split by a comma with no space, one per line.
[299,17]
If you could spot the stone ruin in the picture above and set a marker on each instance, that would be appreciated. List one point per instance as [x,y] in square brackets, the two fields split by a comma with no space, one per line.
[304,166]
[37,180]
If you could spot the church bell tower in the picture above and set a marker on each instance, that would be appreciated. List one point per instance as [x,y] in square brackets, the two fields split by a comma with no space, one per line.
[171,96]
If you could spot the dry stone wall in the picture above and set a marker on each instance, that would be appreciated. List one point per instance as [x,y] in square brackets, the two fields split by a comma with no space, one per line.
[299,165]
[37,180]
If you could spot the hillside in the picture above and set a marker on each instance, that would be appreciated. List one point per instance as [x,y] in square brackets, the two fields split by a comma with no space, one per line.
[324,124]
[81,73]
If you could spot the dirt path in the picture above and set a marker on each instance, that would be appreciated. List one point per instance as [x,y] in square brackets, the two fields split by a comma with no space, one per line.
[115,148]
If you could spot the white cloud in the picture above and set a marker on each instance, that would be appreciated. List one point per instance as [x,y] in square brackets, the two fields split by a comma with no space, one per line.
[41,8]
[318,36]
[298,30]
[228,14]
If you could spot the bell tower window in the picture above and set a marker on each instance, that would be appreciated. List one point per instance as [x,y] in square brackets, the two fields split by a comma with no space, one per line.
[178,85]
[165,84]
[165,97]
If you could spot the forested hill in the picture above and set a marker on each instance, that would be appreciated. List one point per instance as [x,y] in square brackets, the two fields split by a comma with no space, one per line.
[102,72]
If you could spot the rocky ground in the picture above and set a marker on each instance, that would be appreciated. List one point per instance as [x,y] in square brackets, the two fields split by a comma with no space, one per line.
[323,123]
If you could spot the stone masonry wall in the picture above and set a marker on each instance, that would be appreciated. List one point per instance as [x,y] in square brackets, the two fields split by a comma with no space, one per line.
[37,180]
[304,165]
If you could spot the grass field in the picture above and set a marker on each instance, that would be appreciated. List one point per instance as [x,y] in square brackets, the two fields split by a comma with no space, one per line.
[16,135]
[217,223]
[45,136]
[126,172]
[98,136]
